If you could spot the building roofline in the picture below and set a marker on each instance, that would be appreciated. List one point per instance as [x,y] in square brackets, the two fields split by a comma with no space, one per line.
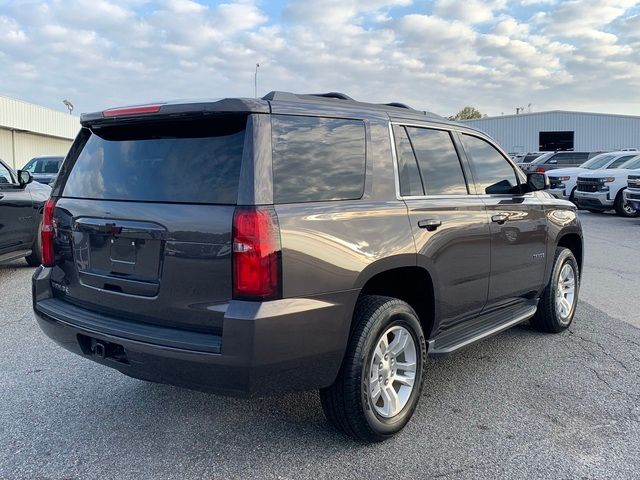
[571,112]
[32,105]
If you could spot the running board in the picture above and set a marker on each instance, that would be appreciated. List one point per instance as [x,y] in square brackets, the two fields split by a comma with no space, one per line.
[480,328]
[9,257]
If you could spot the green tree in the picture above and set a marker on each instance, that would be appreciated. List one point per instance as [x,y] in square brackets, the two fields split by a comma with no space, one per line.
[467,113]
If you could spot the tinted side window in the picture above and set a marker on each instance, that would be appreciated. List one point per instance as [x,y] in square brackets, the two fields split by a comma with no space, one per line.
[438,161]
[5,175]
[410,182]
[317,159]
[493,173]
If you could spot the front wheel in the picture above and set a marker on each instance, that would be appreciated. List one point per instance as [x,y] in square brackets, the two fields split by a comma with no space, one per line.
[557,305]
[380,381]
[623,209]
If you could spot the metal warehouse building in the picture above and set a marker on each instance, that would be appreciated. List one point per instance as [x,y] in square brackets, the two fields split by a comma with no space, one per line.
[561,130]
[28,130]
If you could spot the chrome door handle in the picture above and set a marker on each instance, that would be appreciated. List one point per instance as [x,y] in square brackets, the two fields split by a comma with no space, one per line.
[430,224]
[500,218]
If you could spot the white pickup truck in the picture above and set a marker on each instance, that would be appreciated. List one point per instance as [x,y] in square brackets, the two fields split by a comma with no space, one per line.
[632,193]
[563,180]
[602,190]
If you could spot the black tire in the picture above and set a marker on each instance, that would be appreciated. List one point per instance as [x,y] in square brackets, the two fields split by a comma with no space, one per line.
[572,197]
[35,259]
[347,403]
[622,209]
[548,318]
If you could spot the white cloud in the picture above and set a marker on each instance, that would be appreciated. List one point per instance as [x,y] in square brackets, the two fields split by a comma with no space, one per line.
[567,54]
[471,11]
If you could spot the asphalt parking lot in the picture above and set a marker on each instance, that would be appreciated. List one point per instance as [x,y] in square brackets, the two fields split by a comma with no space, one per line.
[519,405]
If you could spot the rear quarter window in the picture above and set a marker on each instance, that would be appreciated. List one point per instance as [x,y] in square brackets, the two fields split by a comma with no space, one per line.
[170,162]
[317,159]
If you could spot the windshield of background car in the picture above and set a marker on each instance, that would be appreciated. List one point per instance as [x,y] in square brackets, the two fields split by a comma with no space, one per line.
[530,158]
[598,161]
[44,165]
[543,158]
[632,164]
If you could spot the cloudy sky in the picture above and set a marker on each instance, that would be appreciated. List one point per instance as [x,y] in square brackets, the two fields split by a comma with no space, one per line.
[438,55]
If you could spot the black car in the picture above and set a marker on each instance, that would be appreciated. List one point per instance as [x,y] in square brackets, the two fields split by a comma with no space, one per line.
[44,169]
[21,204]
[297,242]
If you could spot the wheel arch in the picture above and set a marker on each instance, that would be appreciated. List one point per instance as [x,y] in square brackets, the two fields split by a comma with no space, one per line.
[573,241]
[405,280]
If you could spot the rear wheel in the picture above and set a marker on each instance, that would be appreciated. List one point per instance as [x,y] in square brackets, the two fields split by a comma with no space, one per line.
[380,380]
[557,305]
[35,259]
[623,209]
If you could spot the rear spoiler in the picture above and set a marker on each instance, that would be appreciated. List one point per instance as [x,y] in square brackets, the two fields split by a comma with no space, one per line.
[174,109]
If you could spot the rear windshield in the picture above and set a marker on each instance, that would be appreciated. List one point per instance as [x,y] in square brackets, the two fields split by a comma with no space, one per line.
[172,162]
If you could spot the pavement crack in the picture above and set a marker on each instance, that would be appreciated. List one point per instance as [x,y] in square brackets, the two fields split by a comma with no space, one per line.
[608,354]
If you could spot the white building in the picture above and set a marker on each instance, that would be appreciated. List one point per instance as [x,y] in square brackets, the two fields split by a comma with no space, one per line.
[28,130]
[557,129]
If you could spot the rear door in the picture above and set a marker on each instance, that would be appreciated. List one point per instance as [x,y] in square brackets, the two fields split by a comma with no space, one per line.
[518,224]
[16,213]
[448,221]
[144,220]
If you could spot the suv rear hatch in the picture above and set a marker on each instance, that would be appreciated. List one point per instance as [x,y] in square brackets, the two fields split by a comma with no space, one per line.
[144,216]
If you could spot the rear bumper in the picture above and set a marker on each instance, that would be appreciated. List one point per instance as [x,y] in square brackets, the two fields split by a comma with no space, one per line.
[593,200]
[632,197]
[265,348]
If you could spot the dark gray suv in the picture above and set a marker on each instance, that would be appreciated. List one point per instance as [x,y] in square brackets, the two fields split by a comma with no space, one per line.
[297,242]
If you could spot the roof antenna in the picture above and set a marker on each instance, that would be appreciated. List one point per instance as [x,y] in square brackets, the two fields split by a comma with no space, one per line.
[255,81]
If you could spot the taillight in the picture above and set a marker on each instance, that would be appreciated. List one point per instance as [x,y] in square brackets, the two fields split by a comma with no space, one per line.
[256,254]
[540,170]
[135,110]
[47,233]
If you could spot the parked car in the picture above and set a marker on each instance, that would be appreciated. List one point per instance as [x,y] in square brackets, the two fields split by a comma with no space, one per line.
[297,242]
[554,160]
[602,190]
[21,204]
[632,193]
[44,169]
[564,180]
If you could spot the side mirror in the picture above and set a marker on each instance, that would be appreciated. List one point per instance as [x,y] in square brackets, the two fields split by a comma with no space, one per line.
[24,178]
[537,181]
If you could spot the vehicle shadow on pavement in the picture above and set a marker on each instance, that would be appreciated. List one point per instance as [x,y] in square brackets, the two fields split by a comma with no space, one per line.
[502,407]
[16,264]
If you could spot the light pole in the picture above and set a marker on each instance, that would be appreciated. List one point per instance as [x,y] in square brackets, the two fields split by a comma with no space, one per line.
[68,104]
[255,81]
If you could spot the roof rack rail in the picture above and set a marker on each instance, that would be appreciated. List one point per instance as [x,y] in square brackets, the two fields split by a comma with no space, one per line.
[332,96]
[399,105]
[339,95]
